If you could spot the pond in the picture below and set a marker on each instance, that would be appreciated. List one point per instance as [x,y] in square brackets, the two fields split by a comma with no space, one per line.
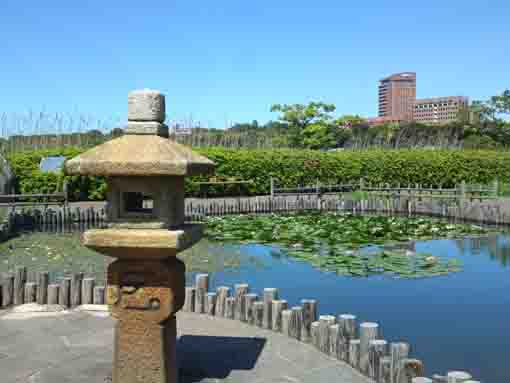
[455,321]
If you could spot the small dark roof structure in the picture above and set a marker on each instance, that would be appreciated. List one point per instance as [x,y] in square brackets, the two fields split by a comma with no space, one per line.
[52,164]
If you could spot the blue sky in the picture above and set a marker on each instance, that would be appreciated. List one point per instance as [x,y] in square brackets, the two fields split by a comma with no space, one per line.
[231,59]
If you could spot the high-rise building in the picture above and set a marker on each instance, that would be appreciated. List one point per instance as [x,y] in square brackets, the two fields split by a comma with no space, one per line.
[441,110]
[397,94]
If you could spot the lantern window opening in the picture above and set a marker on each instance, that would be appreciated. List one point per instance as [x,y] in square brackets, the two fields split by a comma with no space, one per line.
[137,204]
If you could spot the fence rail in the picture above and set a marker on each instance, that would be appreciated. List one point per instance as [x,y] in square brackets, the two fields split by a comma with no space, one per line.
[461,190]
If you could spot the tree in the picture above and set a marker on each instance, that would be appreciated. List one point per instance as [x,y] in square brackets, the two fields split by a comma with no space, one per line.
[299,117]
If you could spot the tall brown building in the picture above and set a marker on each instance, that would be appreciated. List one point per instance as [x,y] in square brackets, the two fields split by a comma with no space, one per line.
[397,94]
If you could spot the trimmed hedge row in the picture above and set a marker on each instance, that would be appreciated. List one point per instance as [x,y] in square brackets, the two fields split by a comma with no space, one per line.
[292,167]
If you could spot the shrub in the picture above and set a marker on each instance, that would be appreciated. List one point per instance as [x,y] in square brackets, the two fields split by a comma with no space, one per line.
[292,167]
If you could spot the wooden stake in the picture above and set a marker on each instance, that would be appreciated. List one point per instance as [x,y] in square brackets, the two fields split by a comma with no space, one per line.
[201,288]
[270,294]
[314,334]
[76,280]
[249,300]
[324,322]
[53,294]
[309,316]
[222,294]
[230,307]
[384,370]
[258,314]
[240,291]
[368,332]
[296,322]
[377,349]
[42,287]
[30,292]
[354,350]
[398,351]
[98,295]
[20,279]
[64,298]
[210,304]
[276,314]
[87,291]
[346,332]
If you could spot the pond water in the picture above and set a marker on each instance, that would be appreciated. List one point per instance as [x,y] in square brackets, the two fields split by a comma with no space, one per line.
[457,321]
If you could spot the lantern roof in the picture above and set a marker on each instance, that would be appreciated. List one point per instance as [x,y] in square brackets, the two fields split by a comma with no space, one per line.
[145,149]
[139,155]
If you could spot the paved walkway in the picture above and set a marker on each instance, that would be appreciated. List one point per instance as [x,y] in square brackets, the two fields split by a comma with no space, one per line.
[39,344]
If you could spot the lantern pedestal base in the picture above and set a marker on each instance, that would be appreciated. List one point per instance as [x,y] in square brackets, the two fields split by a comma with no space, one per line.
[145,352]
[144,297]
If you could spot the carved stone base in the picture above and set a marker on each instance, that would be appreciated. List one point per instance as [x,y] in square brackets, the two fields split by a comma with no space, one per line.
[145,353]
[144,296]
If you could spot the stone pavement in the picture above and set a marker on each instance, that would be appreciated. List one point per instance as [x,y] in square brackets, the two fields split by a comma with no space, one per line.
[42,344]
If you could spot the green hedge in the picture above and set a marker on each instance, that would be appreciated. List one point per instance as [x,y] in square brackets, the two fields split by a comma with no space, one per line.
[292,167]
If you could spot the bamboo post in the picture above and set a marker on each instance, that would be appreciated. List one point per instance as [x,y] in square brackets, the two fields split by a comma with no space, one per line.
[249,300]
[241,290]
[210,304]
[20,279]
[409,369]
[376,350]
[457,376]
[30,292]
[271,180]
[42,287]
[53,294]
[87,291]
[201,288]
[354,350]
[398,351]
[8,290]
[347,331]
[222,294]
[258,314]
[230,307]
[296,320]
[367,331]
[324,322]
[309,316]
[384,370]
[270,294]
[76,279]
[189,299]
[99,295]
[276,314]
[65,292]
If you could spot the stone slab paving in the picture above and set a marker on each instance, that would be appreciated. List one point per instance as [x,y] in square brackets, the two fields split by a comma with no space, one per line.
[41,344]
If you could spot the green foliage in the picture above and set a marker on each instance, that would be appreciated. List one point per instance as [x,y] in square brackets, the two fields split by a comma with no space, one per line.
[310,126]
[338,242]
[480,142]
[30,179]
[291,167]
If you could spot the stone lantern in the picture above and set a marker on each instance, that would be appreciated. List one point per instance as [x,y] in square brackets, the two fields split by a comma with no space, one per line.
[145,178]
